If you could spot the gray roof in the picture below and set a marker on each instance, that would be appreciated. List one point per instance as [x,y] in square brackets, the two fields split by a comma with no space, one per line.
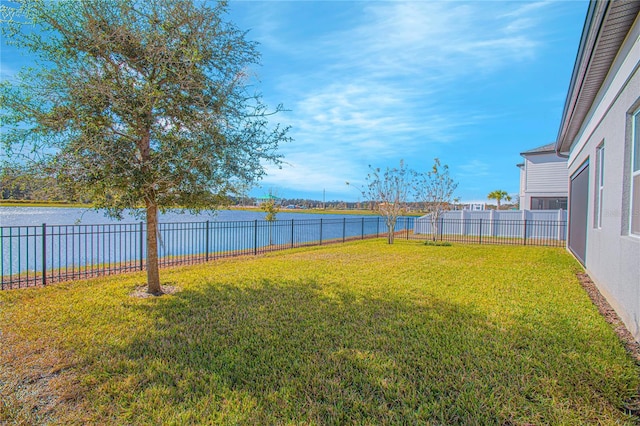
[605,28]
[544,149]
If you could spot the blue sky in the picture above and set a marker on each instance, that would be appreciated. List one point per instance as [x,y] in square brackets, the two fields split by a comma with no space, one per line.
[371,83]
[374,82]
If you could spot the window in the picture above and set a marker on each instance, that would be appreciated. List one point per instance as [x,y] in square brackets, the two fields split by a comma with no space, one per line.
[548,203]
[599,184]
[635,175]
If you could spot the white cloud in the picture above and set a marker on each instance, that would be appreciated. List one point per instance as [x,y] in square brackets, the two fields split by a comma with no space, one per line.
[474,168]
[409,38]
[315,172]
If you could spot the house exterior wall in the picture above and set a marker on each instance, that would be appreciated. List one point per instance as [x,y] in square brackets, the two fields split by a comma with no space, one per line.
[543,175]
[546,174]
[612,256]
[521,194]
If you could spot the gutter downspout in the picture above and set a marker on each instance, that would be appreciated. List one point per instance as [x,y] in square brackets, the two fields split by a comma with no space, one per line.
[560,154]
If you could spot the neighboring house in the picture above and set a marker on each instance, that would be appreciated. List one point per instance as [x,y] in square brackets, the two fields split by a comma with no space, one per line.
[269,197]
[543,179]
[600,133]
[475,207]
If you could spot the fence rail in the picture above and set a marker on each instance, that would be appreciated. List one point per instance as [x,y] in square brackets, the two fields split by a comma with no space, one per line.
[43,254]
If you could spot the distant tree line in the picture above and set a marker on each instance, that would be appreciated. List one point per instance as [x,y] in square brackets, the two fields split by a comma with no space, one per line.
[36,184]
[32,184]
[24,183]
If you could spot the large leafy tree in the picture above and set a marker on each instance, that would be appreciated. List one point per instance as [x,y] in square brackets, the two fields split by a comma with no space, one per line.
[142,103]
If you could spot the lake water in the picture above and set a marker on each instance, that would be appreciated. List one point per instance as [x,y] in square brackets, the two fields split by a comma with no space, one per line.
[33,216]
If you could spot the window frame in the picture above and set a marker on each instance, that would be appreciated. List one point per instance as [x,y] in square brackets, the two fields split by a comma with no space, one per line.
[634,174]
[547,200]
[599,186]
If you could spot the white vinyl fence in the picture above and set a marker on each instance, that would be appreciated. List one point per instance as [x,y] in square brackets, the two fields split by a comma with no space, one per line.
[528,224]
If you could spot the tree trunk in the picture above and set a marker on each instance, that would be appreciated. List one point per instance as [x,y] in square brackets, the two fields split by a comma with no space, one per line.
[391,234]
[153,275]
[434,227]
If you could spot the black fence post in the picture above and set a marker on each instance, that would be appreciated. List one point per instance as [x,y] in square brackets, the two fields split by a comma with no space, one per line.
[255,237]
[292,233]
[320,231]
[206,256]
[524,236]
[141,245]
[44,254]
[406,226]
[480,233]
[378,227]
[344,228]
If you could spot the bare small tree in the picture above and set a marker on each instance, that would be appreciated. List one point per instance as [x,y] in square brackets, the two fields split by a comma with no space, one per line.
[434,190]
[388,193]
[271,206]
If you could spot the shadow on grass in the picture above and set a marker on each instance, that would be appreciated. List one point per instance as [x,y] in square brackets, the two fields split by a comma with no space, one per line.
[278,352]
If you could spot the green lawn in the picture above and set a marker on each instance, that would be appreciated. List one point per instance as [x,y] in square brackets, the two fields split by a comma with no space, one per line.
[362,333]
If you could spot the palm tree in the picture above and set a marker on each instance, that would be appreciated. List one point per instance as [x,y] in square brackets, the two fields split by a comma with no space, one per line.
[499,195]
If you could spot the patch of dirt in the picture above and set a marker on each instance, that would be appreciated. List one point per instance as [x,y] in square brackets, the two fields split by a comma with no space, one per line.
[37,382]
[632,346]
[141,291]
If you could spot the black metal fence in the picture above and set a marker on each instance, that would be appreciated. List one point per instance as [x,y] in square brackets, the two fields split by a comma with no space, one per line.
[43,254]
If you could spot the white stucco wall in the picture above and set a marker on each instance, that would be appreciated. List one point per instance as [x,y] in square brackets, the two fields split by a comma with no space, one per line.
[613,255]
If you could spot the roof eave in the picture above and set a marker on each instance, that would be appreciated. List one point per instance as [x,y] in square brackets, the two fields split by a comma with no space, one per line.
[610,21]
[527,153]
[593,21]
[544,149]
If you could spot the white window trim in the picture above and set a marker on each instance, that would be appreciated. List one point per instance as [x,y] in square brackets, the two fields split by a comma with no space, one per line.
[600,155]
[635,121]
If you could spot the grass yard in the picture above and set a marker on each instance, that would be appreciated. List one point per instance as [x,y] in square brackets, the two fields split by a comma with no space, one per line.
[360,333]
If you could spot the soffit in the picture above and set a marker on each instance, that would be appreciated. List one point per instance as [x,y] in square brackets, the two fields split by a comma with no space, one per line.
[608,23]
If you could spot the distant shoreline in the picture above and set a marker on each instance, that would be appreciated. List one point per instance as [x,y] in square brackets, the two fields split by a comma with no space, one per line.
[19,203]
[360,212]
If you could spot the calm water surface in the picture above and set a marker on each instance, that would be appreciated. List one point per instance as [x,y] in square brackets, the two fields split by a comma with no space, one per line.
[32,216]
[98,241]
